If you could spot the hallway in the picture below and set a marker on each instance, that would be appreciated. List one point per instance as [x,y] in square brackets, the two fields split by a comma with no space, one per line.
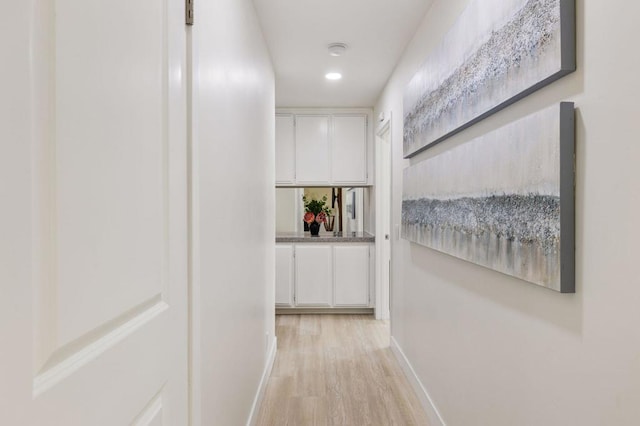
[337,370]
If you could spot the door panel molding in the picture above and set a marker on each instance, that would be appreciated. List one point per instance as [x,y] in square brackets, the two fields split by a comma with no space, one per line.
[152,413]
[73,356]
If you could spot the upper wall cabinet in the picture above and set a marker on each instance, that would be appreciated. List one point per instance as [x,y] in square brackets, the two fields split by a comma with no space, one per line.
[349,149]
[312,149]
[323,147]
[285,149]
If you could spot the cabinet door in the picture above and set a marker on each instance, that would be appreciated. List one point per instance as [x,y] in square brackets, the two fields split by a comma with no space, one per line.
[313,275]
[351,275]
[284,275]
[285,149]
[349,149]
[312,149]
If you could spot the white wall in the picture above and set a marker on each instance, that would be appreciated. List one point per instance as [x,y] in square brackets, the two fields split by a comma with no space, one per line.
[233,210]
[494,350]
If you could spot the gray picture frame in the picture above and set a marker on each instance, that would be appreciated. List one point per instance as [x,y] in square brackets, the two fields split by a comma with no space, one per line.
[419,132]
[567,198]
[504,200]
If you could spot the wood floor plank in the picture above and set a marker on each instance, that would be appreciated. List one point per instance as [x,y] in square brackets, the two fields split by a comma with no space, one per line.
[337,370]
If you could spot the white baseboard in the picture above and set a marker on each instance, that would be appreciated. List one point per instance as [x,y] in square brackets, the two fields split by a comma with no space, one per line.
[257,401]
[425,400]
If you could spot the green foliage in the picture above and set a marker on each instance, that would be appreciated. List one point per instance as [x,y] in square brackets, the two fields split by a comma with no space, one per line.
[316,206]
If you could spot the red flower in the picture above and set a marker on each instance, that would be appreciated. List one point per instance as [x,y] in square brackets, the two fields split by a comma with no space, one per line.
[309,217]
[321,217]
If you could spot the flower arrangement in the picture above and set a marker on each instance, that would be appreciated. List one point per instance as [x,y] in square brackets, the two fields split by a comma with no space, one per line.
[316,212]
[316,206]
[319,218]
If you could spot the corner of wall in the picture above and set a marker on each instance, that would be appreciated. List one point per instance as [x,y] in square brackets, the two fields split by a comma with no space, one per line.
[262,387]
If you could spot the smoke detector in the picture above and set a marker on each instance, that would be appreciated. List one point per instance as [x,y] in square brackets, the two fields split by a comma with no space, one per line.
[337,49]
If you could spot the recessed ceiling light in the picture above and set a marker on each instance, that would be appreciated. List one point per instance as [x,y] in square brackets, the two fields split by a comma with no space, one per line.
[337,49]
[333,76]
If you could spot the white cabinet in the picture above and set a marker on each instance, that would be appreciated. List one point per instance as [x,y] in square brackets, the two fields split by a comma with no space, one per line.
[323,147]
[321,275]
[285,149]
[351,275]
[313,279]
[284,275]
[312,149]
[349,149]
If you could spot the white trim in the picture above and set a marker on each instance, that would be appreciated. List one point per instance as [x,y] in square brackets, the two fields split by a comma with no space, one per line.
[257,401]
[193,166]
[381,293]
[425,400]
[299,209]
[311,110]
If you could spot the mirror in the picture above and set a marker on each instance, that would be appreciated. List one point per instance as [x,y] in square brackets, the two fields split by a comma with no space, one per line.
[346,210]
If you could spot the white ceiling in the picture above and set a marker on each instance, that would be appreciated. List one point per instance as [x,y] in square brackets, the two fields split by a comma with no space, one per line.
[299,31]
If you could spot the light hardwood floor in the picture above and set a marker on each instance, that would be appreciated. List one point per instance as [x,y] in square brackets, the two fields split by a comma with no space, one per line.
[337,370]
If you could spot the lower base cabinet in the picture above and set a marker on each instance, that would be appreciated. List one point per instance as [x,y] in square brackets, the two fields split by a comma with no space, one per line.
[313,265]
[351,275]
[323,275]
[284,275]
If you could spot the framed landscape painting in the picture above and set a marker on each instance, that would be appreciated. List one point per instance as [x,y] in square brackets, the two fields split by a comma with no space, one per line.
[504,200]
[497,52]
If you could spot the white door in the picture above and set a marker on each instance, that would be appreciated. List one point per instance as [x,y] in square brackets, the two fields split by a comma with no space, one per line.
[351,274]
[284,275]
[93,229]
[314,276]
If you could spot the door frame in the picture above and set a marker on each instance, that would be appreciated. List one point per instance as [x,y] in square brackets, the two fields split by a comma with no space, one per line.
[383,159]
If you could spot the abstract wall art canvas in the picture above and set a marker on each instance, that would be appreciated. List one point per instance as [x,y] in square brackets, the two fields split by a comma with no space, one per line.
[504,200]
[497,52]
